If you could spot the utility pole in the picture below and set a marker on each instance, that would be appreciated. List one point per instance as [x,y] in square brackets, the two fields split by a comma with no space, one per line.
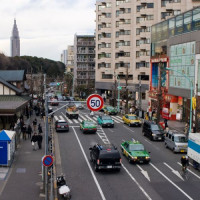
[139,95]
[126,93]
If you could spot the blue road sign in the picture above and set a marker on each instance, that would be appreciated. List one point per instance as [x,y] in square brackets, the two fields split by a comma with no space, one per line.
[47,161]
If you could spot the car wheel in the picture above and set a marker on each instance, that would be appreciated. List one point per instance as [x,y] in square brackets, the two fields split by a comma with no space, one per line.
[96,168]
[129,124]
[118,170]
[91,157]
[174,151]
[113,126]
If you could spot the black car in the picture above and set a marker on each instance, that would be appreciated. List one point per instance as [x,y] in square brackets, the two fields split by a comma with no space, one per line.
[61,125]
[105,156]
[153,130]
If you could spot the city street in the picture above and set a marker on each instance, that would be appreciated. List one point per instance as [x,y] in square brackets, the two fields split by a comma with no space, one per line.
[160,179]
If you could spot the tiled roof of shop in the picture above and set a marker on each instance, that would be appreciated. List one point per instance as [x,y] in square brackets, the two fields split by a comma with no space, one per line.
[12,75]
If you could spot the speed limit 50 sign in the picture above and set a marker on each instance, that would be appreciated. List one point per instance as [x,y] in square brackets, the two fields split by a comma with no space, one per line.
[95,102]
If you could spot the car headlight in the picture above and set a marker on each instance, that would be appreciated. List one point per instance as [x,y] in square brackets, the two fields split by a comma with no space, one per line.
[135,158]
[153,134]
[147,157]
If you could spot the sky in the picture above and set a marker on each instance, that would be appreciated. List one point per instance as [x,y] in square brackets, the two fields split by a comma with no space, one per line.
[46,27]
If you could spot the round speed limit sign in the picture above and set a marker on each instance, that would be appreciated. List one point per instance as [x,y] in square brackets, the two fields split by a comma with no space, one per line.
[95,102]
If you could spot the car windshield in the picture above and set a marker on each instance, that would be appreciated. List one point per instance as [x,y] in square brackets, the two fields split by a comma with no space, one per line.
[89,124]
[110,108]
[106,118]
[155,127]
[136,147]
[133,117]
[180,139]
[62,123]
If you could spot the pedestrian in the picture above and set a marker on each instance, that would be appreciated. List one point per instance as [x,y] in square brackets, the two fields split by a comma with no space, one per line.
[24,132]
[39,141]
[131,110]
[34,124]
[34,140]
[39,128]
[29,131]
[165,121]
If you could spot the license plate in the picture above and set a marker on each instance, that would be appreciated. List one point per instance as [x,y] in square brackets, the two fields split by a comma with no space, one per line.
[141,161]
[159,138]
[109,166]
[182,150]
[62,127]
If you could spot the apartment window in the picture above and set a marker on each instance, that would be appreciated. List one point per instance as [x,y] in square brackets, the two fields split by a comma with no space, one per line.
[105,45]
[107,76]
[108,15]
[99,36]
[123,43]
[137,54]
[108,5]
[99,27]
[137,42]
[177,12]
[122,64]
[150,17]
[148,29]
[150,5]
[138,8]
[138,31]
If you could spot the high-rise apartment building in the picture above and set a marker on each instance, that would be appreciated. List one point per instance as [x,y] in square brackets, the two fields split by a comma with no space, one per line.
[123,35]
[84,62]
[70,59]
[63,57]
[15,41]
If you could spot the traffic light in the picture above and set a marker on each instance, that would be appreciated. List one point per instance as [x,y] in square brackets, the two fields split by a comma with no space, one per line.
[58,84]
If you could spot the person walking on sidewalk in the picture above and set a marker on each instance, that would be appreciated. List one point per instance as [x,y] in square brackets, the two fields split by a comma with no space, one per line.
[34,140]
[34,124]
[39,128]
[29,131]
[39,140]
[24,131]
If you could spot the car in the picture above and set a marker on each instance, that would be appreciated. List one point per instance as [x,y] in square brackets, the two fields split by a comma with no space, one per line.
[176,141]
[105,121]
[131,120]
[50,109]
[61,125]
[110,110]
[105,156]
[153,131]
[88,126]
[102,109]
[135,152]
[54,102]
[79,105]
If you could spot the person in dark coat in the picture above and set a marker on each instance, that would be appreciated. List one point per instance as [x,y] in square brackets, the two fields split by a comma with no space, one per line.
[39,128]
[29,131]
[165,121]
[34,124]
[24,131]
[39,140]
[34,140]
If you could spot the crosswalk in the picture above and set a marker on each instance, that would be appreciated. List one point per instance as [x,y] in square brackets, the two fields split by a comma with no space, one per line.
[62,116]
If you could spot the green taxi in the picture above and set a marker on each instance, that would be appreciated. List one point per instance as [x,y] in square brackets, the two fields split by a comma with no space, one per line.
[110,110]
[88,126]
[135,152]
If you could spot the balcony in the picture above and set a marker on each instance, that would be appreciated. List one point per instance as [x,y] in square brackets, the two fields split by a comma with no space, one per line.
[144,23]
[145,46]
[84,43]
[143,34]
[172,6]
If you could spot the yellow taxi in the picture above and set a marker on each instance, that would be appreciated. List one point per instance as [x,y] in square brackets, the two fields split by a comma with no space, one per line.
[131,120]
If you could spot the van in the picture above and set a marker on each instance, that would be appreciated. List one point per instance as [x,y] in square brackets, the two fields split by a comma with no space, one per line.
[153,130]
[176,141]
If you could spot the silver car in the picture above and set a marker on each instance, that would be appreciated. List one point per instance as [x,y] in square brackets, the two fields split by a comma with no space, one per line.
[176,141]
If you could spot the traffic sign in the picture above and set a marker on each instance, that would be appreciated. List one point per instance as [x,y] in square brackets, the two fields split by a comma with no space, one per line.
[95,102]
[47,161]
[119,87]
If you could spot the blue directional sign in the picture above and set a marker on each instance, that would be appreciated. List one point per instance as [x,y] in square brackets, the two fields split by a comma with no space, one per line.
[47,161]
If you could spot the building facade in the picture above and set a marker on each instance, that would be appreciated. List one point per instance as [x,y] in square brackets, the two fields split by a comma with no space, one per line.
[70,59]
[84,60]
[15,41]
[176,45]
[123,35]
[63,57]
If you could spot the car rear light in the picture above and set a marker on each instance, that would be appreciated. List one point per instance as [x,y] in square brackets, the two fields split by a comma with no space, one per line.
[98,162]
[58,126]
[120,160]
[108,149]
[66,125]
[85,128]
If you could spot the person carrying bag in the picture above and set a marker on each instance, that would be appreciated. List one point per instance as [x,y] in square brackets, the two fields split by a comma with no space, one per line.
[34,140]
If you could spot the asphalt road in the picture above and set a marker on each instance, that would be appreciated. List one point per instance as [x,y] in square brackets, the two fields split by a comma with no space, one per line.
[160,179]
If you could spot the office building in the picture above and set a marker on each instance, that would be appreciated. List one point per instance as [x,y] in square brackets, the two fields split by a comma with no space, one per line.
[15,41]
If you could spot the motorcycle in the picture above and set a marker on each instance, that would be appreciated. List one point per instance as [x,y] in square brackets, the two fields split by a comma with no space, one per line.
[63,188]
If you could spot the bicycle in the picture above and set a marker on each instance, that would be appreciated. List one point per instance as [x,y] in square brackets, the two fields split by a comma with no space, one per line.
[184,172]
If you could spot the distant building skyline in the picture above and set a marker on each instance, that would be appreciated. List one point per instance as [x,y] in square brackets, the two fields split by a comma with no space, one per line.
[15,41]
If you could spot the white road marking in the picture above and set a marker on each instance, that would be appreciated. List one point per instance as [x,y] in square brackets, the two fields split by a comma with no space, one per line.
[67,118]
[174,171]
[93,175]
[128,128]
[171,181]
[82,117]
[75,121]
[191,172]
[117,118]
[56,118]
[140,187]
[80,120]
[95,118]
[110,130]
[145,173]
[89,118]
[147,141]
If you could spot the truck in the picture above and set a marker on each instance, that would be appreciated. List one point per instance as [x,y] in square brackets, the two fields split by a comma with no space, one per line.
[194,149]
[72,111]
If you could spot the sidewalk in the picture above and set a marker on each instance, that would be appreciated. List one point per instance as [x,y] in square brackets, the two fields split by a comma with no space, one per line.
[24,177]
[176,125]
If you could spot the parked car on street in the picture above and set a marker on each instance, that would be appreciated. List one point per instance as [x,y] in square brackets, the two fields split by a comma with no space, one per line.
[54,102]
[132,120]
[152,130]
[79,105]
[135,152]
[105,121]
[110,110]
[105,156]
[61,125]
[88,126]
[176,141]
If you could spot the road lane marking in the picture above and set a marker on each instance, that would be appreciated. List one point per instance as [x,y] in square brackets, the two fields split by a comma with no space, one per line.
[80,120]
[128,128]
[117,119]
[140,187]
[89,118]
[174,171]
[110,130]
[147,141]
[67,118]
[171,181]
[75,120]
[191,171]
[93,175]
[56,118]
[145,173]
[82,117]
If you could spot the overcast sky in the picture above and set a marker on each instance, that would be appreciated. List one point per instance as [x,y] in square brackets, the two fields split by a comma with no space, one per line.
[46,27]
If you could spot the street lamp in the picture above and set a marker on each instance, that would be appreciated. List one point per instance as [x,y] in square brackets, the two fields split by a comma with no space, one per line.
[191,89]
[118,90]
[72,82]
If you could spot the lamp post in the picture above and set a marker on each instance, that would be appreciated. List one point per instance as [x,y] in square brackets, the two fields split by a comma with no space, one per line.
[118,90]
[191,89]
[72,82]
